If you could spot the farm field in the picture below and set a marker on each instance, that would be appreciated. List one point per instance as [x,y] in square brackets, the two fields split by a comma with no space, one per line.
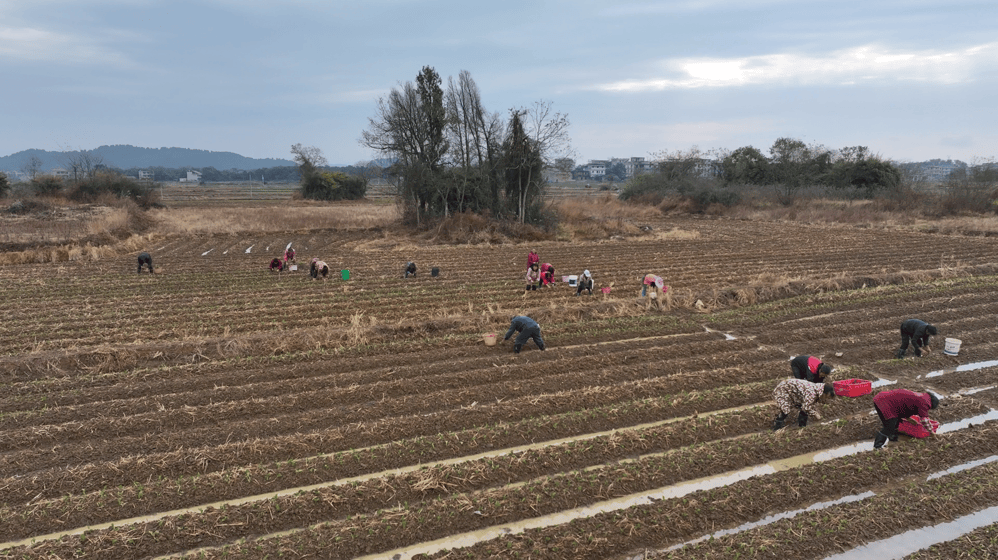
[217,410]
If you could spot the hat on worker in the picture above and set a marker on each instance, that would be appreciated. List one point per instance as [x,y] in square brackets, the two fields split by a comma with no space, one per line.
[585,273]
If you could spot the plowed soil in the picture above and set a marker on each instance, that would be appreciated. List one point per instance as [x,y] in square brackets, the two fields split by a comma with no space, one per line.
[219,389]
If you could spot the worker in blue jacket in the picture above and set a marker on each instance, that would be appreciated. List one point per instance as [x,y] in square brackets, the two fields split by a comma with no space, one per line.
[528,328]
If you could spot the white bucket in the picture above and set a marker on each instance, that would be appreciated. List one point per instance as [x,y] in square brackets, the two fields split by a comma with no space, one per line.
[952,346]
[294,267]
[573,280]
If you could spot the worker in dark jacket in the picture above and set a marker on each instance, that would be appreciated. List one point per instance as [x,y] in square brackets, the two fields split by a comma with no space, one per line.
[145,259]
[585,282]
[410,268]
[809,368]
[899,405]
[528,328]
[918,333]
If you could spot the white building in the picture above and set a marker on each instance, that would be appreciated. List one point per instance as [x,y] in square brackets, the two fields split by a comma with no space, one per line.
[597,168]
[192,177]
[145,175]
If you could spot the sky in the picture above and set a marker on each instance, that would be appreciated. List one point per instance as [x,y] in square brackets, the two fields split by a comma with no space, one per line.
[910,79]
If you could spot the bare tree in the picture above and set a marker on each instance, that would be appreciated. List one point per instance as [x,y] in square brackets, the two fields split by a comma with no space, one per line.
[309,156]
[32,167]
[546,133]
[409,127]
[475,137]
[84,163]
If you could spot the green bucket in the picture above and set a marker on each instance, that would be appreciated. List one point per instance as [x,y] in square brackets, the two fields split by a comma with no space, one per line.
[345,274]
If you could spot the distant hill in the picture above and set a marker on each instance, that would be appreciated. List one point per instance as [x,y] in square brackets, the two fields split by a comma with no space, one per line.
[127,157]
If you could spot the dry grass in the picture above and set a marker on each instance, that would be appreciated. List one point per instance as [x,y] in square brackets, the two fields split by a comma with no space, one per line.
[274,219]
[62,224]
[602,217]
[869,213]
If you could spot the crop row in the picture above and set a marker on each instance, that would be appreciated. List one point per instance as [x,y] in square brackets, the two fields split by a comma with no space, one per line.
[442,507]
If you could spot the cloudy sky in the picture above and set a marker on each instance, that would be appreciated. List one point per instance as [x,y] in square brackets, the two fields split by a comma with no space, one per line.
[910,79]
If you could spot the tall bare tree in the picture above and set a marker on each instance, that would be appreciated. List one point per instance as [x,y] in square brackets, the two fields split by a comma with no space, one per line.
[547,138]
[409,127]
[475,139]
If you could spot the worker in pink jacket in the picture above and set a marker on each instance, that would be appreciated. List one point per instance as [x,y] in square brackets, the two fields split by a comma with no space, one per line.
[532,277]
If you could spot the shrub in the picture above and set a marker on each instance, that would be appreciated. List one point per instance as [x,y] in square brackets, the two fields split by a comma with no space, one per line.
[28,206]
[47,185]
[99,184]
[332,185]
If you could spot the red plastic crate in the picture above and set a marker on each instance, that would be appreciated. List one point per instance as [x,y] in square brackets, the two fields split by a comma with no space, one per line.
[916,430]
[852,387]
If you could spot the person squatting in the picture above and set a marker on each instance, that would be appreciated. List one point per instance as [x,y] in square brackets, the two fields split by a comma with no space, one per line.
[318,268]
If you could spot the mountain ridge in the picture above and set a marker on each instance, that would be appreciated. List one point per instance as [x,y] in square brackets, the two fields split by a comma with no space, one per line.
[126,156]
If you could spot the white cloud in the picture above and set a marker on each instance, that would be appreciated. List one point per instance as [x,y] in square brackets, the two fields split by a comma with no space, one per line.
[39,45]
[869,63]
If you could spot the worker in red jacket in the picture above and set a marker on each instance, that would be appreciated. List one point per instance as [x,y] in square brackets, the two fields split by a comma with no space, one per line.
[532,258]
[809,368]
[901,404]
[547,275]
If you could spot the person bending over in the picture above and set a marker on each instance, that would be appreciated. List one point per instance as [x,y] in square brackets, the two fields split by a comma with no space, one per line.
[528,329]
[809,368]
[585,283]
[146,260]
[798,393]
[318,268]
[899,405]
[918,333]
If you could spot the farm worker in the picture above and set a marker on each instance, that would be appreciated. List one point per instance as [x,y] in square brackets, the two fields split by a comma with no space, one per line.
[809,368]
[276,263]
[410,268]
[653,286]
[318,267]
[528,328]
[532,258]
[145,259]
[802,394]
[289,256]
[901,404]
[547,275]
[918,333]
[533,275]
[585,282]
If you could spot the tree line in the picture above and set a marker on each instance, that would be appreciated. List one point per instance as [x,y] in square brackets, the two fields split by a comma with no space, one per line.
[790,166]
[450,154]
